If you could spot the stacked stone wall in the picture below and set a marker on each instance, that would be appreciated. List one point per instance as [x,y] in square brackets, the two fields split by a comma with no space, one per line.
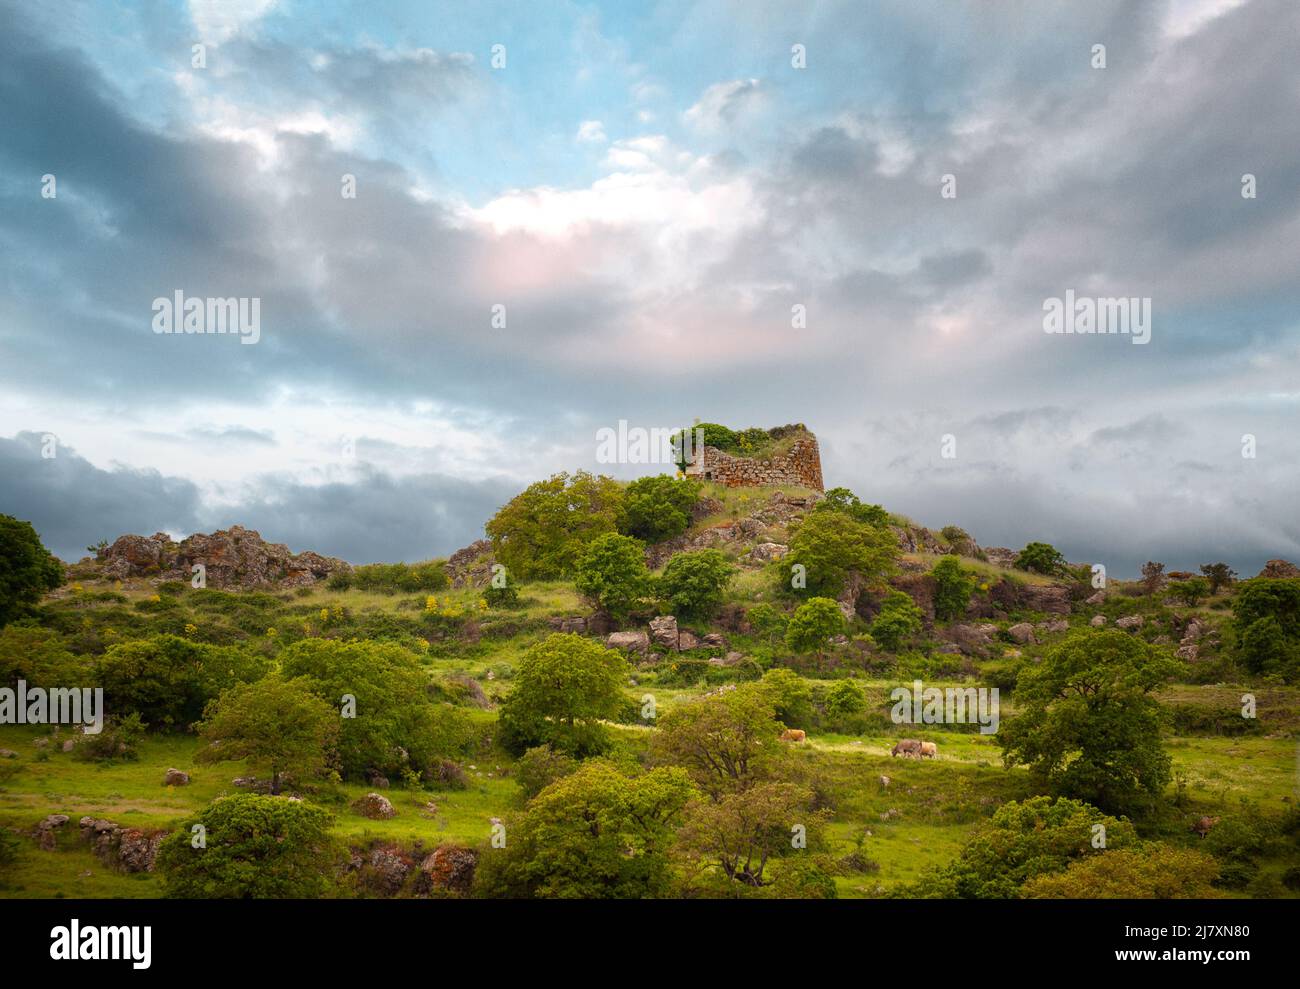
[801,465]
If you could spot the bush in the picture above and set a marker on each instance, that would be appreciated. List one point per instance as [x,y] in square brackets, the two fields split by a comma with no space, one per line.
[393,578]
[27,569]
[541,533]
[767,621]
[612,574]
[899,619]
[829,544]
[564,687]
[694,584]
[1266,617]
[1042,558]
[541,766]
[397,725]
[1190,591]
[255,848]
[953,588]
[812,624]
[844,501]
[119,739]
[659,507]
[503,598]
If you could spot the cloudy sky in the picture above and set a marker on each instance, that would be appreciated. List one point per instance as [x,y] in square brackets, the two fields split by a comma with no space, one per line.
[649,191]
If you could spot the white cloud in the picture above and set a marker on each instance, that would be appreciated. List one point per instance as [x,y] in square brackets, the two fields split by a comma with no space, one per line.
[219,20]
[591,132]
[726,104]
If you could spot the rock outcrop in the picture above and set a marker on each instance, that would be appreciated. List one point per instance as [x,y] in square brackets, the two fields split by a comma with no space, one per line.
[231,558]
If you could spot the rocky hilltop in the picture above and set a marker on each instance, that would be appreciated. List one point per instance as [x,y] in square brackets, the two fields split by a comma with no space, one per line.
[232,558]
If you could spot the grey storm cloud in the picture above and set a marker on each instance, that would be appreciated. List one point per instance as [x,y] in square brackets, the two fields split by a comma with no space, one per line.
[924,314]
[375,517]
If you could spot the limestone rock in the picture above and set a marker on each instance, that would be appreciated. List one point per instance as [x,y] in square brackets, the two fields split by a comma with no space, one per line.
[663,631]
[1130,621]
[374,806]
[451,868]
[1280,568]
[1022,634]
[637,641]
[1097,621]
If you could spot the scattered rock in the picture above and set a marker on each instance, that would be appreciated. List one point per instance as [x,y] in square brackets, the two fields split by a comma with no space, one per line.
[450,868]
[8,754]
[731,659]
[637,641]
[663,631]
[714,640]
[47,831]
[1130,621]
[374,806]
[1022,634]
[69,744]
[1097,598]
[128,849]
[766,552]
[1097,621]
[176,777]
[1054,627]
[687,640]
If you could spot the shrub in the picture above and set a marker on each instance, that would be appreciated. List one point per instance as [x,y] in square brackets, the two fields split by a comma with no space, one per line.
[541,533]
[397,725]
[118,739]
[501,598]
[953,588]
[541,766]
[1266,617]
[612,574]
[659,507]
[255,847]
[1042,558]
[564,687]
[694,584]
[846,502]
[899,619]
[845,700]
[812,623]
[1219,575]
[768,621]
[393,578]
[829,544]
[27,569]
[1190,591]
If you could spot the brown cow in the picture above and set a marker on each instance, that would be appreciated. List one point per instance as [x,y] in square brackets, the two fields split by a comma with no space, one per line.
[1203,826]
[793,735]
[929,750]
[908,747]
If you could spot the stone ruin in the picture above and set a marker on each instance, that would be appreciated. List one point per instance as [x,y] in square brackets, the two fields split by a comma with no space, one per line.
[799,465]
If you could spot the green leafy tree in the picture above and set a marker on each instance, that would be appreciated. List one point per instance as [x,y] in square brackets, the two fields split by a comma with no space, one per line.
[953,587]
[255,848]
[768,621]
[726,741]
[1266,615]
[846,502]
[27,569]
[845,700]
[564,687]
[169,679]
[812,623]
[41,657]
[393,724]
[1087,725]
[830,544]
[1220,575]
[694,584]
[791,697]
[1151,871]
[592,834]
[741,833]
[898,620]
[275,723]
[541,766]
[541,533]
[1190,591]
[659,507]
[1042,558]
[1023,840]
[612,574]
